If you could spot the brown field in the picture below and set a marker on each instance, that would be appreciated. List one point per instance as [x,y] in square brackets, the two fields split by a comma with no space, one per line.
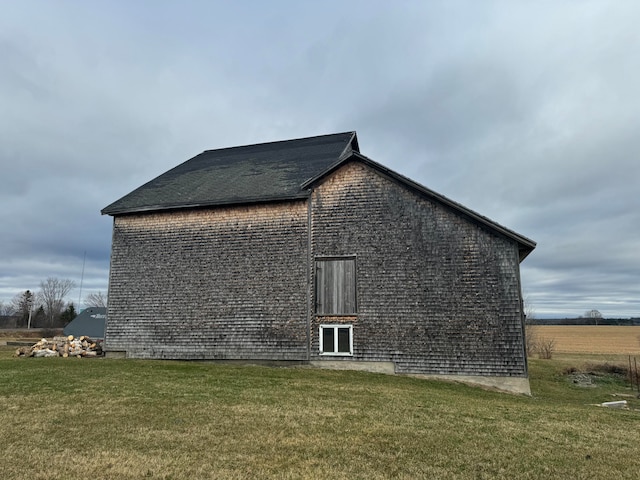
[591,338]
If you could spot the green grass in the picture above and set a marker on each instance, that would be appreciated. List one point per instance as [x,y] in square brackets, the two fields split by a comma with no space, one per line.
[117,419]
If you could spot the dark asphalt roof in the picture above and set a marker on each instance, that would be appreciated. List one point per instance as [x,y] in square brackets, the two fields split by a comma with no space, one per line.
[247,174]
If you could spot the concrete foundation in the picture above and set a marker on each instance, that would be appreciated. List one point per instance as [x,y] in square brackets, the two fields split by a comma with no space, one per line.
[519,385]
[374,367]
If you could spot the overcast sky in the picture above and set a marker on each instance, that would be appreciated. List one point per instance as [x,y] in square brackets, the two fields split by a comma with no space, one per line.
[527,112]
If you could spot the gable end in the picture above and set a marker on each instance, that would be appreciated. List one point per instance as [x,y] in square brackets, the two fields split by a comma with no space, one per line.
[525,245]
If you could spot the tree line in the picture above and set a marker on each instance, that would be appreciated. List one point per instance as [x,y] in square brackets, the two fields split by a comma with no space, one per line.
[47,307]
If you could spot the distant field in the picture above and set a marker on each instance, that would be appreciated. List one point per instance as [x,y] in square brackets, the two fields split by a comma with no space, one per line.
[592,339]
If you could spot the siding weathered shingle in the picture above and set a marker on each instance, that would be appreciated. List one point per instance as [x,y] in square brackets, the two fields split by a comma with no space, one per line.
[436,293]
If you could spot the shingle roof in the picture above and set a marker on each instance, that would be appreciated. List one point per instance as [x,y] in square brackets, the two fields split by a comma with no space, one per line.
[284,170]
[247,174]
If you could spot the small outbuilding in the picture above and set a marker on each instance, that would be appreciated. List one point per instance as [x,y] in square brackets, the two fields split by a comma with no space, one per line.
[308,251]
[90,322]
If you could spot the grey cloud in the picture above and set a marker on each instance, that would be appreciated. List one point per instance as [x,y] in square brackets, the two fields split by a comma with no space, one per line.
[523,112]
[460,102]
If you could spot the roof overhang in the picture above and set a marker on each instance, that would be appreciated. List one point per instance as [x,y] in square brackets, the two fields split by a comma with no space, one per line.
[163,208]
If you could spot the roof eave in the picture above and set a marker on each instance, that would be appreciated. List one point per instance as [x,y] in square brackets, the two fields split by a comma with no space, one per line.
[160,208]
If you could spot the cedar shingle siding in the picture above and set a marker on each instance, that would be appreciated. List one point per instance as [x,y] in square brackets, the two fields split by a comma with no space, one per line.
[436,293]
[437,286]
[221,283]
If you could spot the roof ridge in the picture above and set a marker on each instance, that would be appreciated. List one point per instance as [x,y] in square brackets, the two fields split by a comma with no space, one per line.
[272,142]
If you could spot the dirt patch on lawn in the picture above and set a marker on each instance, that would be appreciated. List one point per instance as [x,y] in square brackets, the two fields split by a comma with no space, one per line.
[592,373]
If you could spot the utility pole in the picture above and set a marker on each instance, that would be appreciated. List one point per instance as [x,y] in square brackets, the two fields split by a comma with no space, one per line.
[31,302]
[84,259]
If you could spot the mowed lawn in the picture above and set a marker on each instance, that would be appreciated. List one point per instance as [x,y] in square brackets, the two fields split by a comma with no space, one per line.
[129,419]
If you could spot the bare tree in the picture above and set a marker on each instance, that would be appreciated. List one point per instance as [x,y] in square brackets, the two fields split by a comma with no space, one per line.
[6,309]
[98,299]
[546,347]
[51,295]
[593,314]
[531,330]
[534,342]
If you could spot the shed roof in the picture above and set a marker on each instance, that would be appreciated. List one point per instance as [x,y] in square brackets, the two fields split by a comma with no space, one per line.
[275,171]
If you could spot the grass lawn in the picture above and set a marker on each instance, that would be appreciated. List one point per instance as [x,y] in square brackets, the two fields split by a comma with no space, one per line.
[116,419]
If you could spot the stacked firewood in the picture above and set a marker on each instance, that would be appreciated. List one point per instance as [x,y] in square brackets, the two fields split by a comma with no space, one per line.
[62,347]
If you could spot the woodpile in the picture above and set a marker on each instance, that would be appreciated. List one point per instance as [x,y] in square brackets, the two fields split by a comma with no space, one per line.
[62,347]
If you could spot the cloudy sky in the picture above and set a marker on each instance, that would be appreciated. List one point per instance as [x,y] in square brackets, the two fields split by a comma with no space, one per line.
[527,112]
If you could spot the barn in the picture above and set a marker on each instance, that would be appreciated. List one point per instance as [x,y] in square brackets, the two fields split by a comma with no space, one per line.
[307,251]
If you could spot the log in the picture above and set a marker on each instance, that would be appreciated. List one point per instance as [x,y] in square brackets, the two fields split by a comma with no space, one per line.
[45,352]
[63,346]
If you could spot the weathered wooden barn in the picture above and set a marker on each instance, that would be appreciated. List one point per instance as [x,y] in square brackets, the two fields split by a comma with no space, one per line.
[308,251]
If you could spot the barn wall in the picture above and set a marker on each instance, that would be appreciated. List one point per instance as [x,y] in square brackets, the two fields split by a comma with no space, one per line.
[221,283]
[437,294]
